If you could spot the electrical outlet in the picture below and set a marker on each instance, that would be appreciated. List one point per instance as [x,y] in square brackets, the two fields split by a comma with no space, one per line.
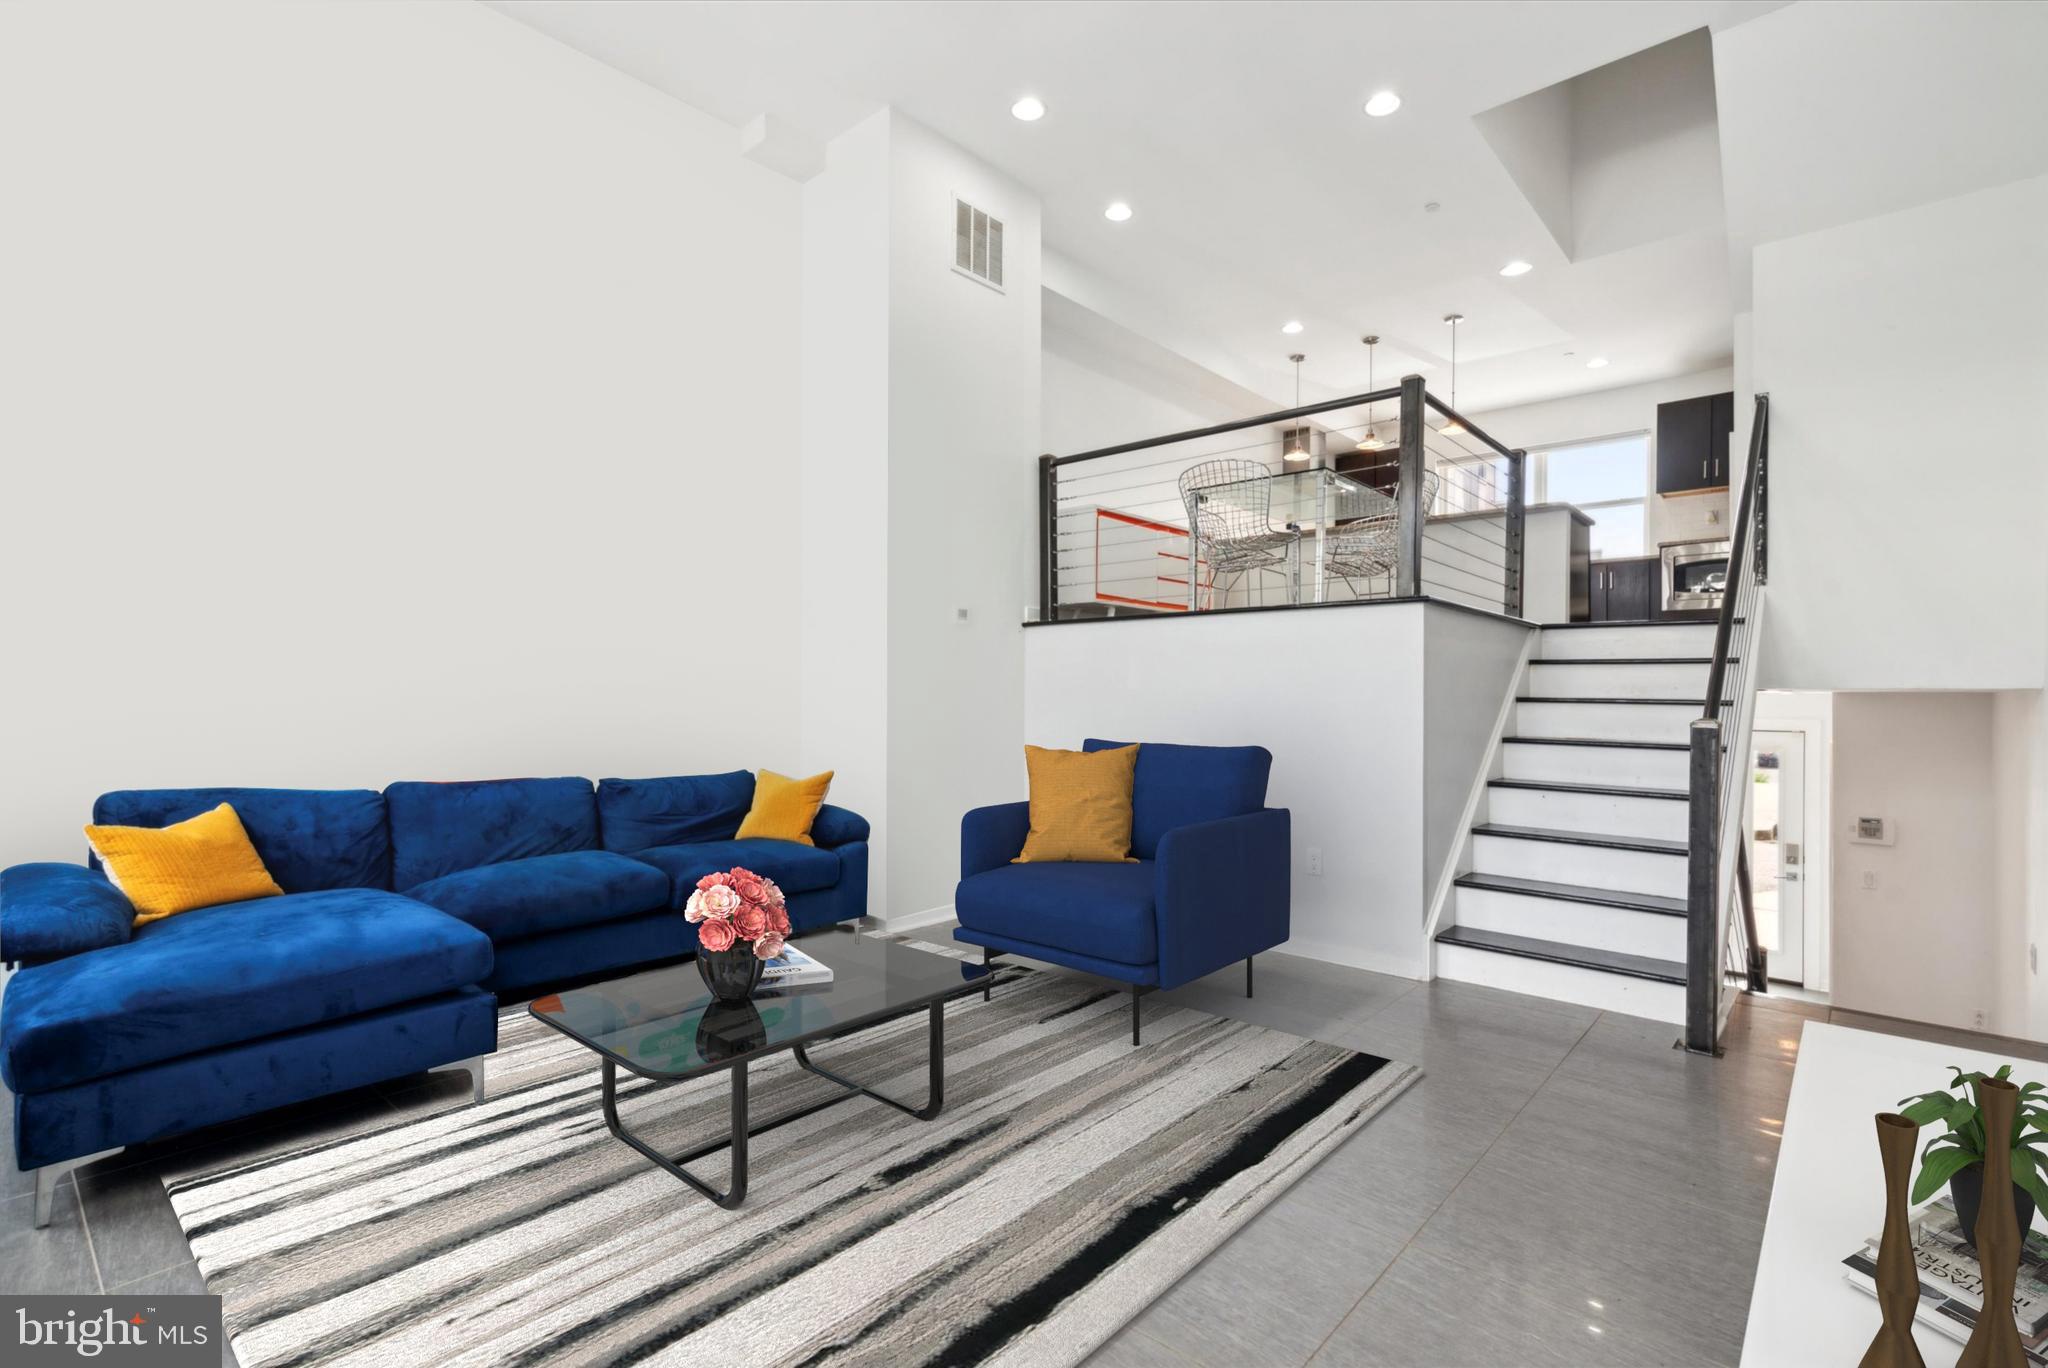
[1315,862]
[1978,1015]
[959,615]
[1870,878]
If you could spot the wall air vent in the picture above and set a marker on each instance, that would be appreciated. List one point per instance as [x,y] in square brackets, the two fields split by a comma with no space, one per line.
[977,244]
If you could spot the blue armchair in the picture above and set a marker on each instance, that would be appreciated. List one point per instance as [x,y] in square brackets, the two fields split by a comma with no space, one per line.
[1209,885]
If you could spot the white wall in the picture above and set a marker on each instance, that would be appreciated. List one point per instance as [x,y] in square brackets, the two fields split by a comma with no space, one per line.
[842,511]
[1350,747]
[1610,413]
[1931,941]
[919,444]
[389,392]
[1908,374]
[2019,786]
[963,447]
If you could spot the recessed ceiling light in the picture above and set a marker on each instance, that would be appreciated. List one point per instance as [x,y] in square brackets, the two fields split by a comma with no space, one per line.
[1383,104]
[1515,268]
[1596,363]
[1030,109]
[1117,212]
[1291,326]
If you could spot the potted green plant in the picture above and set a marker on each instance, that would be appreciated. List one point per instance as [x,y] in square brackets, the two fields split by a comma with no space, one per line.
[1956,1156]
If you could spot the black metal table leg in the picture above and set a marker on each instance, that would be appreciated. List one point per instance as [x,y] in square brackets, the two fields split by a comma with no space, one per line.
[736,1139]
[935,1071]
[737,1143]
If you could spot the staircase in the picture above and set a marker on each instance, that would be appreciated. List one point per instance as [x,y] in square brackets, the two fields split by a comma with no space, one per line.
[1577,882]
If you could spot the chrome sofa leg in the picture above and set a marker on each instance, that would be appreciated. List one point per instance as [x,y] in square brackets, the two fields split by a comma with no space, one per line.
[474,1067]
[50,1175]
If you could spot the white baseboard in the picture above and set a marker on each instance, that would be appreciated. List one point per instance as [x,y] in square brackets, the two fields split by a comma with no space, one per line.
[910,921]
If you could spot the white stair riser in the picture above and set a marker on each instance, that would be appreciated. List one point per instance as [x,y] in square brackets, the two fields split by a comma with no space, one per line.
[1573,923]
[1595,765]
[1607,721]
[1677,639]
[1618,681]
[1563,983]
[1596,814]
[1623,871]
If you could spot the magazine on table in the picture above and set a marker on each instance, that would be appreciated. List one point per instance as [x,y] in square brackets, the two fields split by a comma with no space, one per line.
[794,969]
[1952,1284]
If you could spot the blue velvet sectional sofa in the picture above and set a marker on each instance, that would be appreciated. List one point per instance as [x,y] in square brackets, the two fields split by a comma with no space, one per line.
[1208,884]
[404,914]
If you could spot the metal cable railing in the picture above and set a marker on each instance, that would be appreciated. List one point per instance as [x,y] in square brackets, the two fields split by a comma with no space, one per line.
[1119,535]
[1722,948]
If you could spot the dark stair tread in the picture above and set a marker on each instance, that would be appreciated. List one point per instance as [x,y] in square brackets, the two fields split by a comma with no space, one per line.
[1652,702]
[1595,741]
[1632,660]
[1557,952]
[1599,897]
[1649,845]
[1635,622]
[1602,790]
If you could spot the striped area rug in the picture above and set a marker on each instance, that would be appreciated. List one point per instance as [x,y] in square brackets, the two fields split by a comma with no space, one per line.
[1070,1180]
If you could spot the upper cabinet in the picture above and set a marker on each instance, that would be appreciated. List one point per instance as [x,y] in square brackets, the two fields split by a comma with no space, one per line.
[1692,443]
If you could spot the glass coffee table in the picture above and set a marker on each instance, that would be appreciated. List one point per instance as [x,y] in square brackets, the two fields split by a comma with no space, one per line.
[663,1024]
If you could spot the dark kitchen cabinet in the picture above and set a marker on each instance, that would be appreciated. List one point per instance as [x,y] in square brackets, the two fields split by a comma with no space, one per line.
[1692,443]
[1623,589]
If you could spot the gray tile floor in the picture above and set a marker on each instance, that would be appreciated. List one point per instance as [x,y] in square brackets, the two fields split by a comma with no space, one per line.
[1561,1187]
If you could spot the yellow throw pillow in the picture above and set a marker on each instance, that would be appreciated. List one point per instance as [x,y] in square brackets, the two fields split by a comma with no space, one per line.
[784,808]
[198,862]
[1080,805]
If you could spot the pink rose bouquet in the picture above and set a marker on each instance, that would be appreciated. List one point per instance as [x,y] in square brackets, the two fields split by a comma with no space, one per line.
[739,905]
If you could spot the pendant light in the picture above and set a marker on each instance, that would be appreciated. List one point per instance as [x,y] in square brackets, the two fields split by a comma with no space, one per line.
[1297,438]
[1372,440]
[1453,427]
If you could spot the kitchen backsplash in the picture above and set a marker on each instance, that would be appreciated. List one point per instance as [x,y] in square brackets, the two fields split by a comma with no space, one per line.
[1685,518]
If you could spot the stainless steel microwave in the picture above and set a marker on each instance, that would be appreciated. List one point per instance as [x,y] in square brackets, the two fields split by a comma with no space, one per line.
[1695,574]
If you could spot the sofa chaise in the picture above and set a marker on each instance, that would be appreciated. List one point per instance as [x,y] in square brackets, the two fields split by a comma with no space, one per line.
[404,913]
[1208,885]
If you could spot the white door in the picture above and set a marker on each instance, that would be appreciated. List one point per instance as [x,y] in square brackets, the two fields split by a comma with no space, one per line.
[1777,851]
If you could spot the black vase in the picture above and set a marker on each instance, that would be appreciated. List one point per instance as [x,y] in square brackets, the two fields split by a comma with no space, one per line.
[730,974]
[1966,1189]
[728,1030]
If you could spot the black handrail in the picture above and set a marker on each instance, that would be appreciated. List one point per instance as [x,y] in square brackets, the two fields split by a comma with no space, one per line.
[1711,767]
[1724,625]
[1414,399]
[1471,429]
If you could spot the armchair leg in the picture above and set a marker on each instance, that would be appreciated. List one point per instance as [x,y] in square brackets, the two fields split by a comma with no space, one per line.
[1247,975]
[987,984]
[50,1175]
[1135,995]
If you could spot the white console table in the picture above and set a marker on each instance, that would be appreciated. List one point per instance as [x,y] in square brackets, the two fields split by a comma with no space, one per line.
[1828,1195]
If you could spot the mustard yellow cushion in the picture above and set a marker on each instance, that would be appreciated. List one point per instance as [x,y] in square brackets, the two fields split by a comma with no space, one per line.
[784,807]
[198,862]
[1080,805]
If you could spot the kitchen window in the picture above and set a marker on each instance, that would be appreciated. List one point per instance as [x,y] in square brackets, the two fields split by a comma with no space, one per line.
[1607,477]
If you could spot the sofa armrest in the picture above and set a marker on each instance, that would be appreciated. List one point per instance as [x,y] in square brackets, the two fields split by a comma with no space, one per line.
[991,837]
[837,826]
[48,911]
[1222,893]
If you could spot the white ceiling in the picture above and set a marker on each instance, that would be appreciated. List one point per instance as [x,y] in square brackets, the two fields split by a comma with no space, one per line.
[1262,192]
[1828,117]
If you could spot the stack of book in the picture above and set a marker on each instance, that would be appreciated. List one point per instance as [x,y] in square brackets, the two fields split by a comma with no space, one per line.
[794,969]
[1952,1284]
